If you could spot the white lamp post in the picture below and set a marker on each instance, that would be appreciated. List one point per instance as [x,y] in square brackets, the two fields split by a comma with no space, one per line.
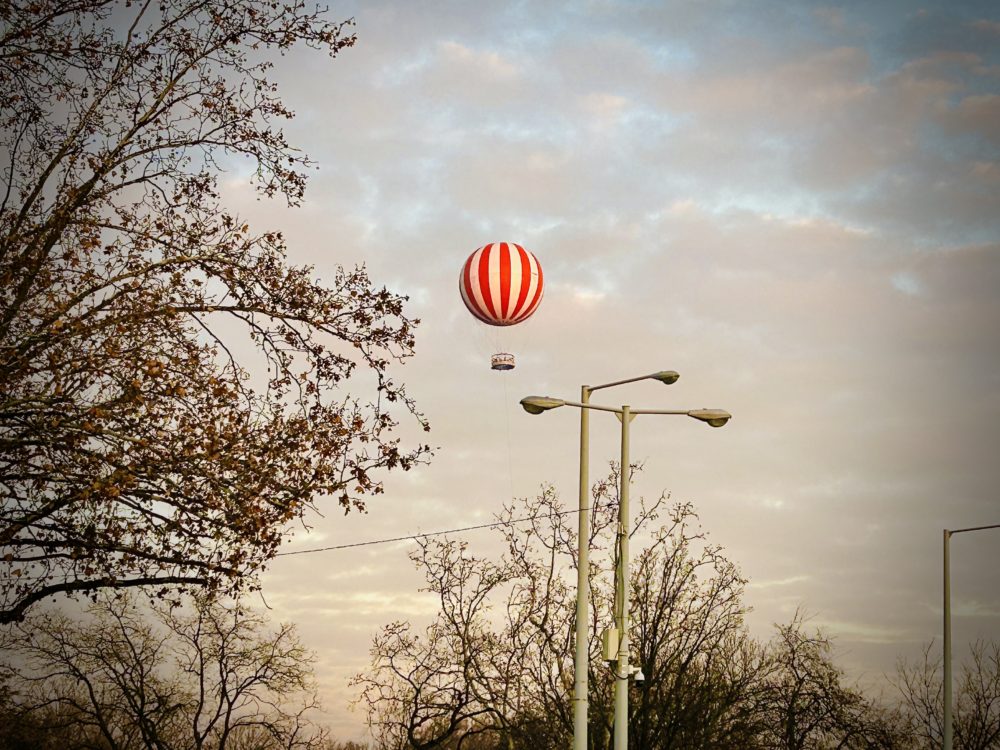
[948,734]
[582,656]
[536,405]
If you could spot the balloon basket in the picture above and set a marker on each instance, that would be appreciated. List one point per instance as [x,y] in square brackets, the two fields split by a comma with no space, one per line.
[502,361]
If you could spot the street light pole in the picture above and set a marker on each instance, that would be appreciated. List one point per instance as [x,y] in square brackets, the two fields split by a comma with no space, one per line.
[582,657]
[581,660]
[948,728]
[621,666]
[947,643]
[537,405]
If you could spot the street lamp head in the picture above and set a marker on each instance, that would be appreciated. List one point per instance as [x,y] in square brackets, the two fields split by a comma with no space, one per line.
[714,417]
[538,404]
[667,377]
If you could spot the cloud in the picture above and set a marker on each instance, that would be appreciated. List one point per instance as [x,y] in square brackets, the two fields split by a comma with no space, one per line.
[861,632]
[780,582]
[978,115]
[488,64]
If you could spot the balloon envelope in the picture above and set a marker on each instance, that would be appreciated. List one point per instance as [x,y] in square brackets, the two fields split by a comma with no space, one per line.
[501,284]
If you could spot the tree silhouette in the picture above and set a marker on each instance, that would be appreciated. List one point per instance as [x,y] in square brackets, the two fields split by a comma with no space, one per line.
[173,393]
[214,675]
[976,719]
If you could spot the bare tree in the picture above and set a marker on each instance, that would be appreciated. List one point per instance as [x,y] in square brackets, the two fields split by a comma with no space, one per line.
[976,717]
[493,659]
[495,668]
[214,677]
[808,705]
[457,676]
[703,671]
[171,389]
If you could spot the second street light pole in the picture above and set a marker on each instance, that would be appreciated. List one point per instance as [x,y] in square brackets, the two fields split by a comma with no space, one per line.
[581,659]
[947,730]
[947,739]
[621,665]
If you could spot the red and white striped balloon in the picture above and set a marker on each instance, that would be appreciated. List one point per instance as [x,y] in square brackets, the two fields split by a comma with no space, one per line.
[501,283]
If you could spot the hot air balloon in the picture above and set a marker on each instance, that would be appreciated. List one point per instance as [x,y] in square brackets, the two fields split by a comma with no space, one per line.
[501,284]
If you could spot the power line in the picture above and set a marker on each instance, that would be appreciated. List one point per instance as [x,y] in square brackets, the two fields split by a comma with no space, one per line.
[414,537]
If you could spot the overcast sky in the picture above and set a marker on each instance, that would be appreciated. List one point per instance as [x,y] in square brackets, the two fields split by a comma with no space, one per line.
[794,205]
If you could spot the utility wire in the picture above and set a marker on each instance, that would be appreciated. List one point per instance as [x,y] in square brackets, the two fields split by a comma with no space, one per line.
[414,537]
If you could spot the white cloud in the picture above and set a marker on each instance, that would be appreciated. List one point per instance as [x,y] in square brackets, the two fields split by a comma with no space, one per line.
[778,582]
[488,62]
[859,631]
[906,283]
